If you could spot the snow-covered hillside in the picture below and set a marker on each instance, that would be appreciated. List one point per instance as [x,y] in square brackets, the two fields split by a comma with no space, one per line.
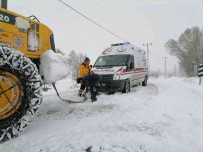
[165,116]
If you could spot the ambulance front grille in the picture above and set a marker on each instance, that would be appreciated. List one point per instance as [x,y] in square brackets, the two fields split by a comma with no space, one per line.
[107,77]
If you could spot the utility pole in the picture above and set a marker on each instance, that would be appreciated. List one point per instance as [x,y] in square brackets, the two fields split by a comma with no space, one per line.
[165,70]
[148,54]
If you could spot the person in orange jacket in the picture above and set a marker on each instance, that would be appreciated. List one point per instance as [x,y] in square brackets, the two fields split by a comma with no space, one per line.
[88,80]
[84,70]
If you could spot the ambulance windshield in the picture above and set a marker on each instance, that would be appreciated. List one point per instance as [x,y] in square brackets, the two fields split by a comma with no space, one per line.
[111,60]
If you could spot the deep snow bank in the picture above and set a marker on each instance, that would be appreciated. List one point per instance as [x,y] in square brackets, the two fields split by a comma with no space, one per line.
[167,115]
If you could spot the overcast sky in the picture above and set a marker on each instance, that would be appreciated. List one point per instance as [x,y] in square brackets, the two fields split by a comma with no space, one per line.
[137,21]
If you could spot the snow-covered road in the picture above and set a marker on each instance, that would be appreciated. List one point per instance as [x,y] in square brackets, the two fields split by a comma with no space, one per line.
[165,116]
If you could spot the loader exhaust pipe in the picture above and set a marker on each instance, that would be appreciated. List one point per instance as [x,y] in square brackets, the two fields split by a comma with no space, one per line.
[3,4]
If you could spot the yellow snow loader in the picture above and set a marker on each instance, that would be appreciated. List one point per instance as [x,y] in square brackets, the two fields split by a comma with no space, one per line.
[23,40]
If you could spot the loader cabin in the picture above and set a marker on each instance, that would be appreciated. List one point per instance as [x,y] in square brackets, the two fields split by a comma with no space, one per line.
[27,35]
[120,67]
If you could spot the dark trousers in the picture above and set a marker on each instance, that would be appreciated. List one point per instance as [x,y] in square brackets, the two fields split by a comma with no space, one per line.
[90,82]
[82,87]
[92,88]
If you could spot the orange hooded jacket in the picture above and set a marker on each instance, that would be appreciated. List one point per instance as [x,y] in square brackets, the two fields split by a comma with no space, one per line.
[84,70]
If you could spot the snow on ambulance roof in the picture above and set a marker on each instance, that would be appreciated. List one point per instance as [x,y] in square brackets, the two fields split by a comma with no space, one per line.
[120,48]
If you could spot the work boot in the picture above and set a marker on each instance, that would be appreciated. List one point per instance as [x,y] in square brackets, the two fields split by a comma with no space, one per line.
[80,93]
[97,93]
[94,98]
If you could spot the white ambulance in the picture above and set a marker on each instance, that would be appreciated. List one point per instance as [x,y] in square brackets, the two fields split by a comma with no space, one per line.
[120,67]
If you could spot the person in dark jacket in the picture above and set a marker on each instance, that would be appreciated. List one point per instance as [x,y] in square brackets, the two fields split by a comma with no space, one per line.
[90,81]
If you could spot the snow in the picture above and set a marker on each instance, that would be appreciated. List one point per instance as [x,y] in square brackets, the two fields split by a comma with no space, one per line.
[165,116]
[54,66]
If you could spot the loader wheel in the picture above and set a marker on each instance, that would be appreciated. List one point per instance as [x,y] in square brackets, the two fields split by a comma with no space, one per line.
[20,92]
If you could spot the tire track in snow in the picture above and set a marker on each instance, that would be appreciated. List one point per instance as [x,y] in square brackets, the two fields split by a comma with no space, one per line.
[54,109]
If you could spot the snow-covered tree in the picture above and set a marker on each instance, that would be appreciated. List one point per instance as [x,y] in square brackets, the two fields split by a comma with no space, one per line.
[74,60]
[188,49]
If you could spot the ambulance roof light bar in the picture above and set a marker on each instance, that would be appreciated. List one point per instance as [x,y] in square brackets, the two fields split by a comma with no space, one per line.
[118,44]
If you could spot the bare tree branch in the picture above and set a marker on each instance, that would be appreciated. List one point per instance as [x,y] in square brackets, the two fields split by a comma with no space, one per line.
[188,48]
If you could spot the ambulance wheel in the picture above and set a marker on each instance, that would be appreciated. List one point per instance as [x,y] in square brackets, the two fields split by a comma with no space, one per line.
[144,83]
[126,86]
[20,92]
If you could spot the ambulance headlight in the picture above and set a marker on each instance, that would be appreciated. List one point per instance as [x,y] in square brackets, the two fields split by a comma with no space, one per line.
[116,76]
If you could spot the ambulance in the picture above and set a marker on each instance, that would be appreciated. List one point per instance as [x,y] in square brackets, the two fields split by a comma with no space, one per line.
[120,67]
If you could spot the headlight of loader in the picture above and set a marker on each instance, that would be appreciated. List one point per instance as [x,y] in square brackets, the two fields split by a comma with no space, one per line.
[116,76]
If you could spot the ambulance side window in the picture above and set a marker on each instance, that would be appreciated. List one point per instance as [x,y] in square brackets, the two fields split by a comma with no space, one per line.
[131,64]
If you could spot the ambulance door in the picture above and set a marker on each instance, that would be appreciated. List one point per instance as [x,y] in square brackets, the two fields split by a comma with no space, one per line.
[130,70]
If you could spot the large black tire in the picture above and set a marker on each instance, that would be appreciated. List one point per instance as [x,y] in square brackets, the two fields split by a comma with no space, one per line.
[127,88]
[14,63]
[144,83]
